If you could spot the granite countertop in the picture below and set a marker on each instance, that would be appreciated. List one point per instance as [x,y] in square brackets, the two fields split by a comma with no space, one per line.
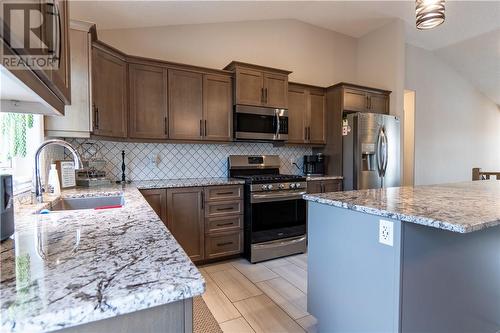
[313,178]
[73,267]
[459,207]
[188,182]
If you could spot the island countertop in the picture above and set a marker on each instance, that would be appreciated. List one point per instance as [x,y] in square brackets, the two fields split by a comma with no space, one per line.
[459,207]
[73,267]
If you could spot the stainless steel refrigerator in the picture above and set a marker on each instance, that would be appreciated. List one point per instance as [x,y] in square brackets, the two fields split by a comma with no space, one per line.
[371,151]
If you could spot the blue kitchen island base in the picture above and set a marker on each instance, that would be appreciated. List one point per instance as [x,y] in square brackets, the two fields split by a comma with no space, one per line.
[429,280]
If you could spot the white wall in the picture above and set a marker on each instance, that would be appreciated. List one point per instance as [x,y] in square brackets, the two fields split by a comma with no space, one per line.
[315,55]
[456,127]
[381,62]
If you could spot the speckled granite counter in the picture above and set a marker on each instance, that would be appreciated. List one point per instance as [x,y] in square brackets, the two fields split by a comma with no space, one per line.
[313,178]
[188,182]
[70,268]
[459,207]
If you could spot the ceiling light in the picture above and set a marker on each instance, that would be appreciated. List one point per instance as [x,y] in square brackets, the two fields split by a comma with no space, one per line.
[430,13]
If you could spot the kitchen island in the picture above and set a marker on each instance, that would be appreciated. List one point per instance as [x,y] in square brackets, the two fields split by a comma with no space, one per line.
[116,270]
[406,259]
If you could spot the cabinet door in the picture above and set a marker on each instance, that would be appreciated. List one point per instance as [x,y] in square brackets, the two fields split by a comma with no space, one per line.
[333,185]
[217,108]
[297,109]
[185,219]
[379,103]
[109,94]
[317,117]
[185,105]
[355,100]
[276,90]
[314,186]
[148,102]
[61,76]
[249,87]
[157,199]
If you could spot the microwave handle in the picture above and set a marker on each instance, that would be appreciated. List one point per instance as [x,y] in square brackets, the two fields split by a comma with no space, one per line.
[277,112]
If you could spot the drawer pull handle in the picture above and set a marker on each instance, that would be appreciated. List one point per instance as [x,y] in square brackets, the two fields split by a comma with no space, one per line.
[224,209]
[223,224]
[226,243]
[225,193]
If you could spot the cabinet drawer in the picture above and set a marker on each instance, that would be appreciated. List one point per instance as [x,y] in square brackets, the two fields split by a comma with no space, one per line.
[218,224]
[218,193]
[223,244]
[223,208]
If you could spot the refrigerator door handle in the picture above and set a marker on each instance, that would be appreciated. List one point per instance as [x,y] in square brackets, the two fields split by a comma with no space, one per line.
[385,146]
[379,152]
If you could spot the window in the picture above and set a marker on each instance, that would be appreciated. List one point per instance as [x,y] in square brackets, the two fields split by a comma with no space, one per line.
[20,136]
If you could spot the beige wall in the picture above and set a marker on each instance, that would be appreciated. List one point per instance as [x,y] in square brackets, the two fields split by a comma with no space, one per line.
[456,127]
[315,55]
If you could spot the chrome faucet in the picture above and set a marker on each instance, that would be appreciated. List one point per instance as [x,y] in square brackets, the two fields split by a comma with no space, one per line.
[38,182]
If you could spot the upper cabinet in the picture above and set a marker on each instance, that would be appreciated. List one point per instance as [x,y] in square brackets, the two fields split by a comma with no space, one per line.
[306,114]
[185,105]
[364,99]
[259,86]
[109,92]
[33,65]
[148,117]
[217,107]
[77,120]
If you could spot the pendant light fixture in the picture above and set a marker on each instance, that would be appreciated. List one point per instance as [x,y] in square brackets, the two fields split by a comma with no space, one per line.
[429,13]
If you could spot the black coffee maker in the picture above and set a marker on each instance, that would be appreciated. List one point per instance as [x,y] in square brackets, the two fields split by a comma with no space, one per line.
[314,165]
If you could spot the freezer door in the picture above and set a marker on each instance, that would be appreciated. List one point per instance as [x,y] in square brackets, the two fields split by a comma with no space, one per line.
[392,157]
[367,130]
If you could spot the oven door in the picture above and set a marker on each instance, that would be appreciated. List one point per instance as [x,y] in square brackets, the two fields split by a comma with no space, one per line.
[277,215]
[258,123]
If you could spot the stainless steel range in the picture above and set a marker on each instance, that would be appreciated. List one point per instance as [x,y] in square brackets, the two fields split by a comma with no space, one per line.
[275,213]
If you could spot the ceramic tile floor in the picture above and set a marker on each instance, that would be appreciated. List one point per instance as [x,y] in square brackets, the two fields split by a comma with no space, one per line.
[264,297]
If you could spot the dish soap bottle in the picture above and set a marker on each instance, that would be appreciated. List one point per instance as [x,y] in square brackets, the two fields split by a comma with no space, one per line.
[53,186]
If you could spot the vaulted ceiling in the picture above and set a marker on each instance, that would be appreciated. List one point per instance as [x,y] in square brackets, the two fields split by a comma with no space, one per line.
[468,39]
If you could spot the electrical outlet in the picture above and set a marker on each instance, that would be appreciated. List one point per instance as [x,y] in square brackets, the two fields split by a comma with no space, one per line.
[386,232]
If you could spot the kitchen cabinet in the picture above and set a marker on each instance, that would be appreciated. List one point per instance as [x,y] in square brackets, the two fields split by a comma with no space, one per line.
[217,108]
[324,186]
[109,92]
[259,86]
[185,105]
[148,117]
[364,99]
[306,114]
[185,220]
[157,199]
[77,120]
[51,84]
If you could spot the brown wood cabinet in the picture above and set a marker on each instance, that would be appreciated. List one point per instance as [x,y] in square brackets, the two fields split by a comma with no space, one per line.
[259,86]
[157,199]
[323,186]
[61,78]
[364,99]
[109,92]
[185,219]
[185,105]
[306,114]
[147,102]
[217,108]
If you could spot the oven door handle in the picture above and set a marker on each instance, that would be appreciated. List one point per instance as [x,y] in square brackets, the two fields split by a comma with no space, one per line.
[270,197]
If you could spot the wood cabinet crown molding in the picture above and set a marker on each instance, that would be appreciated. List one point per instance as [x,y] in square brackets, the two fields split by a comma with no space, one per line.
[360,87]
[235,64]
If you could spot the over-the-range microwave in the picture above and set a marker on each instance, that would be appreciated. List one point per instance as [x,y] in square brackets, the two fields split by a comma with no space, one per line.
[255,123]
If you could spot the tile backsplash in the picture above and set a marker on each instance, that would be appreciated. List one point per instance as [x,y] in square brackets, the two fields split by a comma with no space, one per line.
[147,161]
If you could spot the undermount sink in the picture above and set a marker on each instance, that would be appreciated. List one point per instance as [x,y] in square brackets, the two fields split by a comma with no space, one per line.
[102,202]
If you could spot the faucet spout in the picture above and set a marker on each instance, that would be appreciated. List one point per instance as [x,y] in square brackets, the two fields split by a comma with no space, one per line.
[76,158]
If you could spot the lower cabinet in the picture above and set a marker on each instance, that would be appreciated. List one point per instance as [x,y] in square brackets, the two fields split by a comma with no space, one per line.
[206,221]
[323,186]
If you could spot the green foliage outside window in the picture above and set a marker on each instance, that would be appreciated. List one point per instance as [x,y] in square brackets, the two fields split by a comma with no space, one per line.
[14,127]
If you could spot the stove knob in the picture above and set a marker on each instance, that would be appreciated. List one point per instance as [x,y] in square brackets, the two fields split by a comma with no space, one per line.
[269,187]
[282,186]
[264,187]
[298,185]
[292,185]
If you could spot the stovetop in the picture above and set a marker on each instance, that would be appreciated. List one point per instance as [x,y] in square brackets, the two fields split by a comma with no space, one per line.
[278,178]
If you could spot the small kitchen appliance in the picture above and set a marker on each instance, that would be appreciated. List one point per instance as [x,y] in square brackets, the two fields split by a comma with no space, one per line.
[314,165]
[275,212]
[6,207]
[253,123]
